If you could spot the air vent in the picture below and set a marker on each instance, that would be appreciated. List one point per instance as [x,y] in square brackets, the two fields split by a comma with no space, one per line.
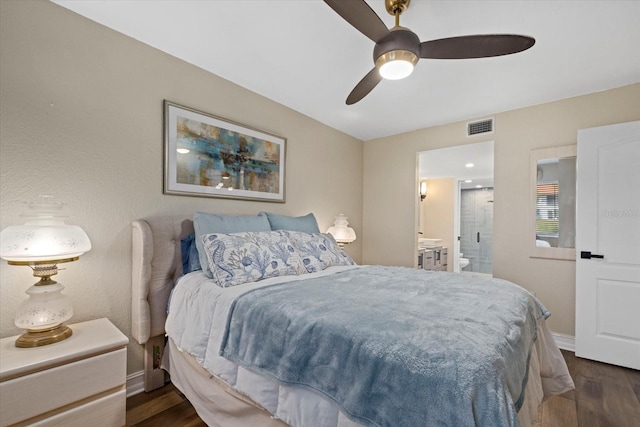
[479,127]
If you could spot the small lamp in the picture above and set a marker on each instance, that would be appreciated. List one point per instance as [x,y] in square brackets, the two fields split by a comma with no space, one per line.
[423,190]
[43,242]
[341,231]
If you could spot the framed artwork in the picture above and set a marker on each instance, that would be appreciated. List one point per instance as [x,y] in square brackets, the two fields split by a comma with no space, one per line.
[209,156]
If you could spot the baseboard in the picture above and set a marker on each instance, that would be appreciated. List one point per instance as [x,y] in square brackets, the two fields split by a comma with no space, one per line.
[565,342]
[135,383]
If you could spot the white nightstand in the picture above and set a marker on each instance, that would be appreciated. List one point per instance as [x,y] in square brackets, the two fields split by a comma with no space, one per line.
[80,381]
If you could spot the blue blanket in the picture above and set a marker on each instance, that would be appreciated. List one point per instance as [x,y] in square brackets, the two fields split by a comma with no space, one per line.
[393,346]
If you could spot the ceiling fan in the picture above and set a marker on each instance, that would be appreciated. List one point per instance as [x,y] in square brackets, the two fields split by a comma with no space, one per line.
[398,49]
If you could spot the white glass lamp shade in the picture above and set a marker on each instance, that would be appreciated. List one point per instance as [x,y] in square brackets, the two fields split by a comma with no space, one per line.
[43,237]
[341,230]
[30,243]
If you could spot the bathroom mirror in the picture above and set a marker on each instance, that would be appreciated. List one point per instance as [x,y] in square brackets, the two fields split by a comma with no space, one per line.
[553,203]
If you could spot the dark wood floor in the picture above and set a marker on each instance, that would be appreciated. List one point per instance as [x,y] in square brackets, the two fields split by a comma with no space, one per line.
[163,407]
[605,396]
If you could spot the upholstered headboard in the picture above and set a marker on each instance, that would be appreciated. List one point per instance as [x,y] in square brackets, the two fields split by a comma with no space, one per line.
[156,265]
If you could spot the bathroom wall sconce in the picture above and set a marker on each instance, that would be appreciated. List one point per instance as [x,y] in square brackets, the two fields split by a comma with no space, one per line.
[423,190]
[341,231]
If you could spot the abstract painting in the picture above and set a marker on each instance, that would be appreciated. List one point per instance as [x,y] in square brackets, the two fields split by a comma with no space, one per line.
[209,156]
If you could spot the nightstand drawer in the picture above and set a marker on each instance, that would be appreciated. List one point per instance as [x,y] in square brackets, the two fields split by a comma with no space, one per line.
[35,394]
[106,411]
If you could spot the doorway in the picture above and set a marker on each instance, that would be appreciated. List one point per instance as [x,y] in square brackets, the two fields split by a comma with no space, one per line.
[469,168]
[476,229]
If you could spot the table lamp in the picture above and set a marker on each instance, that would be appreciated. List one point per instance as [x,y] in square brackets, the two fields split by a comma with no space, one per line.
[341,231]
[43,242]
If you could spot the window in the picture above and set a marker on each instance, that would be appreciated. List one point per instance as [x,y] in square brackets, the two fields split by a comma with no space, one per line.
[547,210]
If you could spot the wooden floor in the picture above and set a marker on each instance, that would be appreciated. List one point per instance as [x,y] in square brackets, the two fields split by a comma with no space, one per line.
[605,396]
[163,407]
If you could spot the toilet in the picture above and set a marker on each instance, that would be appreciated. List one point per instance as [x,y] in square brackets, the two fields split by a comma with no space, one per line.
[463,261]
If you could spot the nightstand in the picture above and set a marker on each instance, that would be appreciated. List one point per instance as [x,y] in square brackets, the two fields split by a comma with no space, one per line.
[80,381]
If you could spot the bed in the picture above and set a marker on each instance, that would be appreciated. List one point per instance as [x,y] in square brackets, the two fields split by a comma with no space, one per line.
[236,376]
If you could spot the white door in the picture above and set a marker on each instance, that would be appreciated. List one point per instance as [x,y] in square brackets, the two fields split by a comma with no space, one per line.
[608,245]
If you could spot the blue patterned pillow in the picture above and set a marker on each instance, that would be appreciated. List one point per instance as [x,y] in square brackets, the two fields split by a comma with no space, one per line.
[318,250]
[238,258]
[206,223]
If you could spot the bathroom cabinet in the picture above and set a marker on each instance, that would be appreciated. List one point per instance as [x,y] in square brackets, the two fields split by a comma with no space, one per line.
[434,259]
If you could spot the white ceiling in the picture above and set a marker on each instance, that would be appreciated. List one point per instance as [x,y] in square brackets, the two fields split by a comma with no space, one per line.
[451,163]
[302,54]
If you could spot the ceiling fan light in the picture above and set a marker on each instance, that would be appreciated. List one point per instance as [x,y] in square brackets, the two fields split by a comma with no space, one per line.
[396,64]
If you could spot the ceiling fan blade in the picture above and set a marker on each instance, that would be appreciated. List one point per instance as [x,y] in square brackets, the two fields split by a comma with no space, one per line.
[365,86]
[361,16]
[477,46]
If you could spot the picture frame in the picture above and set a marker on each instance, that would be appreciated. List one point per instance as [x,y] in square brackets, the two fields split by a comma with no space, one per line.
[208,156]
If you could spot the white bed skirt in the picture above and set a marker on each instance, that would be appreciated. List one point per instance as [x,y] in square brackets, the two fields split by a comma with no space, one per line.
[219,405]
[216,402]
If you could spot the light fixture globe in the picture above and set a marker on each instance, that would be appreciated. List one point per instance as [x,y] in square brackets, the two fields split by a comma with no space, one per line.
[396,65]
[37,240]
[43,237]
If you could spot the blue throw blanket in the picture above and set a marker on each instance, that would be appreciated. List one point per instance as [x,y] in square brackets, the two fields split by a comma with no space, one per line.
[393,346]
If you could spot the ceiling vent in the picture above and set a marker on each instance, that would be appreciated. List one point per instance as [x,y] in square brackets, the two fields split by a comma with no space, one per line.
[480,127]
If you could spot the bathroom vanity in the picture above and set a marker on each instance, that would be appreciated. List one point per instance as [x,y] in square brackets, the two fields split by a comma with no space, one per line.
[431,255]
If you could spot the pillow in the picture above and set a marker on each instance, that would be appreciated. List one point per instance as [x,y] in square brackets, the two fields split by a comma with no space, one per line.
[206,223]
[248,257]
[190,257]
[306,223]
[318,250]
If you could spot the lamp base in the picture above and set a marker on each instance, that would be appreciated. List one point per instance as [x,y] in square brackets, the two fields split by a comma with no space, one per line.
[37,338]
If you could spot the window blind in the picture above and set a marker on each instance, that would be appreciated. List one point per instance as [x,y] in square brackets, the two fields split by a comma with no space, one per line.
[547,209]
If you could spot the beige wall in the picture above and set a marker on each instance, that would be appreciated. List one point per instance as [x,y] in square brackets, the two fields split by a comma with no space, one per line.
[437,213]
[517,132]
[81,119]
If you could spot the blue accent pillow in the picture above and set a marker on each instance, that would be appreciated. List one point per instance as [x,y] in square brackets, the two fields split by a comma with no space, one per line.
[190,258]
[305,224]
[206,223]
